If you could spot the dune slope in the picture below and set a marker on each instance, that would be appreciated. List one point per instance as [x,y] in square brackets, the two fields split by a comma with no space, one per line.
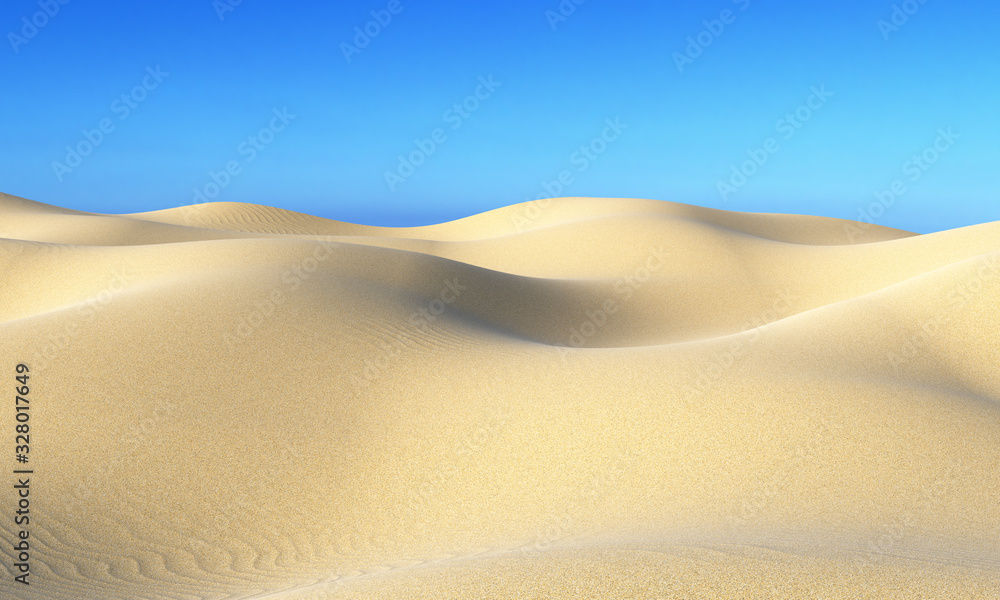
[582,398]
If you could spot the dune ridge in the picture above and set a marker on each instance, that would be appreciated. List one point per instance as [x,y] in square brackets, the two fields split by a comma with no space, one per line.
[573,398]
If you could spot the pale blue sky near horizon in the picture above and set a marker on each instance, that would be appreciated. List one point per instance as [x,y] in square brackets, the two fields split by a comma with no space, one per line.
[393,112]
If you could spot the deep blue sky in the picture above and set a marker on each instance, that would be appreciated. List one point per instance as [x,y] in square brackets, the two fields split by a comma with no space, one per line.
[892,90]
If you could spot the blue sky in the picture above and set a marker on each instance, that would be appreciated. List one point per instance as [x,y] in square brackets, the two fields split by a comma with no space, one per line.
[442,110]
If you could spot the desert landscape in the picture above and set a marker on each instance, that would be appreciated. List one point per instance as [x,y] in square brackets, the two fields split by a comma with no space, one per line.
[571,398]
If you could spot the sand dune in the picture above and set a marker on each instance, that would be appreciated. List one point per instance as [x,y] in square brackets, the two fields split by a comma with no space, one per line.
[582,398]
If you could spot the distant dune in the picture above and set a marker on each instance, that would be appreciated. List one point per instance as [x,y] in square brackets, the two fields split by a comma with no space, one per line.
[577,398]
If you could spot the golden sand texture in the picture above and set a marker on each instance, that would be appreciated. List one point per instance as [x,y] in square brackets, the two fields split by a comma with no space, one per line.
[573,398]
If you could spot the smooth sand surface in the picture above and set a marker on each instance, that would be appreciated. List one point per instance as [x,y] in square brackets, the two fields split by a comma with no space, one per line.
[575,398]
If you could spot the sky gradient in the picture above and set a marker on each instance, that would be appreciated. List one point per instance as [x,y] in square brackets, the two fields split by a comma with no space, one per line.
[409,112]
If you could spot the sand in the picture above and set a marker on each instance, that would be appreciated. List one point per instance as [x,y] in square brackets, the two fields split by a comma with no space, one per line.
[574,398]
